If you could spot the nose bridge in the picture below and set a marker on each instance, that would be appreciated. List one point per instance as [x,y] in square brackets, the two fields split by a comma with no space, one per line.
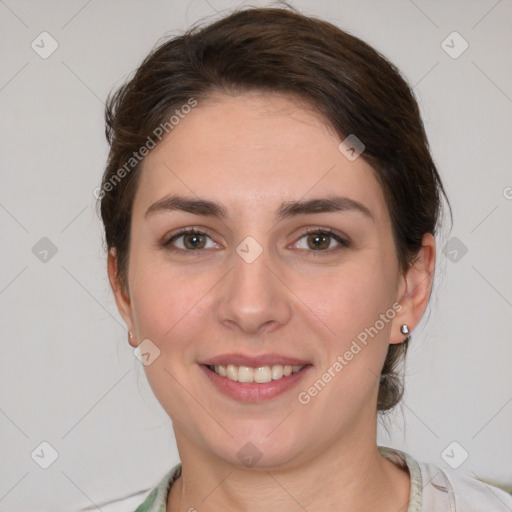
[251,265]
[252,295]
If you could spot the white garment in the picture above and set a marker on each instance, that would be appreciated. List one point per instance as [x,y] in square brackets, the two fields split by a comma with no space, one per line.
[434,489]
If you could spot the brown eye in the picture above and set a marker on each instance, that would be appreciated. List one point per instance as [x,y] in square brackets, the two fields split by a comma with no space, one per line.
[321,240]
[192,240]
[318,241]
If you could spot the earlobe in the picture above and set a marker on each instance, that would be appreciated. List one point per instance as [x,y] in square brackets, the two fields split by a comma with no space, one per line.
[122,299]
[415,291]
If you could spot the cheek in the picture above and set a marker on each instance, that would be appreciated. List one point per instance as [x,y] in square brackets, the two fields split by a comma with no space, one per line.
[165,298]
[168,310]
[349,299]
[356,306]
[356,310]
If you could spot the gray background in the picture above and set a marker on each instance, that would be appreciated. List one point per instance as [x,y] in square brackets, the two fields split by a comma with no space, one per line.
[68,375]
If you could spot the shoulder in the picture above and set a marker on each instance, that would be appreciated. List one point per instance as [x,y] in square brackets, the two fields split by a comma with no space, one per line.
[156,501]
[434,489]
[457,492]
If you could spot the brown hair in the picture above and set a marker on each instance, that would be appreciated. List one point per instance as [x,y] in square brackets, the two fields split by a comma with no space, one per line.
[350,84]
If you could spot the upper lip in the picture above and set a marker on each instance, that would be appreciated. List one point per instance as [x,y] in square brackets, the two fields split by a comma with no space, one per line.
[253,361]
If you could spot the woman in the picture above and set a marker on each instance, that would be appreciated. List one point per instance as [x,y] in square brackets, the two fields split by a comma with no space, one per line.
[270,207]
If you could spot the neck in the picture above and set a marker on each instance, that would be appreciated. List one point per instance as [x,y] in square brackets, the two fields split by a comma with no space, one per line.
[344,476]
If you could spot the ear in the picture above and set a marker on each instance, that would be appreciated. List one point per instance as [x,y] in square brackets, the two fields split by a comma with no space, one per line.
[414,290]
[122,298]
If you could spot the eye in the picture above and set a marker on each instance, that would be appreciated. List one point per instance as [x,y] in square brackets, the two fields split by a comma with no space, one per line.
[320,239]
[193,239]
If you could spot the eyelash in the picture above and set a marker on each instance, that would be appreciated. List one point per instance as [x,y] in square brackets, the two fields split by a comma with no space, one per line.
[321,231]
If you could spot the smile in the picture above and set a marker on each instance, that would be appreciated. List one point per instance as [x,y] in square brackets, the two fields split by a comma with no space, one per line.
[260,375]
[254,384]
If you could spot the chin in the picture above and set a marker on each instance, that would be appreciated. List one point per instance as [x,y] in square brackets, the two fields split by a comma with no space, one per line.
[256,449]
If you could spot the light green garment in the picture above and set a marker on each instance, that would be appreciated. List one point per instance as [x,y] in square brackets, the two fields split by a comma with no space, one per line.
[432,489]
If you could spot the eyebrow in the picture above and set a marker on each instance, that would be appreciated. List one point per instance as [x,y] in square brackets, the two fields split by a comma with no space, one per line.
[287,209]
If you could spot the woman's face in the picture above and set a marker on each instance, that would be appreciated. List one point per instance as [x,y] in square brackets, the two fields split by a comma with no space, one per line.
[254,289]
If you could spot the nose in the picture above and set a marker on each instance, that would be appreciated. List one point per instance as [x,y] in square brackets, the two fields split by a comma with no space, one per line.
[254,297]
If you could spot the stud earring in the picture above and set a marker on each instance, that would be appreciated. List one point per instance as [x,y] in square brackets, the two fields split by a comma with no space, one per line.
[130,335]
[404,329]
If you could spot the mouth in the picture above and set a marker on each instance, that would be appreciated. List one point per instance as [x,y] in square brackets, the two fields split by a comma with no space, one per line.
[246,379]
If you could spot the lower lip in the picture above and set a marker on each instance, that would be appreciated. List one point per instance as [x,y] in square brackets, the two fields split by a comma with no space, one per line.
[252,391]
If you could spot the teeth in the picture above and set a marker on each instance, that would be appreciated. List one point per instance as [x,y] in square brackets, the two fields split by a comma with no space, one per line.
[232,372]
[245,374]
[277,371]
[260,375]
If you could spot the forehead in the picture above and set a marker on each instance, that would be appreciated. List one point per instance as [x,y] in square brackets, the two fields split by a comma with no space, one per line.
[252,151]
